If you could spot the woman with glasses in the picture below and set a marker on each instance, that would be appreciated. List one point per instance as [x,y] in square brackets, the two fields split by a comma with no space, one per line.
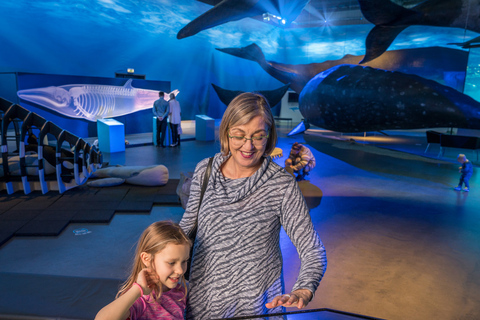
[237,262]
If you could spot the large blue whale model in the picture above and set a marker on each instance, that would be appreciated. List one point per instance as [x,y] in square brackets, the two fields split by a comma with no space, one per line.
[390,19]
[92,101]
[273,96]
[432,63]
[353,98]
[232,10]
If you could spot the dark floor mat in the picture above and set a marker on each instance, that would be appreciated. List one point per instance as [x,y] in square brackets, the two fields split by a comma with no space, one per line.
[39,214]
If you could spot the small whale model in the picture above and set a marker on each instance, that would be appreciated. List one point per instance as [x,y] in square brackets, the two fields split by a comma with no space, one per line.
[390,19]
[352,98]
[92,101]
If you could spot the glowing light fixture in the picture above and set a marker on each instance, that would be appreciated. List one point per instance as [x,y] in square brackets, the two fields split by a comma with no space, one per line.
[274,19]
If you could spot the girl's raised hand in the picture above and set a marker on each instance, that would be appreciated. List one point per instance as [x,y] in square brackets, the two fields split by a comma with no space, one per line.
[147,279]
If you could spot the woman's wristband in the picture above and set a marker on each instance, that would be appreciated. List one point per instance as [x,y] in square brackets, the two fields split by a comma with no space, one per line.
[141,289]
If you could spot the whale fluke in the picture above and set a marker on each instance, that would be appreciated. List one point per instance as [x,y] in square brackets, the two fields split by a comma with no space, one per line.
[273,96]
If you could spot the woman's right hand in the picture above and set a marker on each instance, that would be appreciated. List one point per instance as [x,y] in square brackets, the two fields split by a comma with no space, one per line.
[147,278]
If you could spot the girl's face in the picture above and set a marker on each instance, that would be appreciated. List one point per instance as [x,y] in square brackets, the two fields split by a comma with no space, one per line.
[171,263]
[246,154]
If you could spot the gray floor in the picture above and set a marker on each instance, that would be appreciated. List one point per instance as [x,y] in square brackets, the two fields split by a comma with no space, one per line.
[401,244]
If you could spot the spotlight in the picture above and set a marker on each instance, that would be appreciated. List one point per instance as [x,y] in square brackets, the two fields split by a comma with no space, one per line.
[131,70]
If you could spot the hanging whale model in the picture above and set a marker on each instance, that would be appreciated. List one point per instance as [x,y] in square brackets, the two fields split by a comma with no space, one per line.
[92,101]
[432,63]
[352,98]
[390,19]
[232,10]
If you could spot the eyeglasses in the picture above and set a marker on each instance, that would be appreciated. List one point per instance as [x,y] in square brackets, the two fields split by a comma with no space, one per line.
[257,140]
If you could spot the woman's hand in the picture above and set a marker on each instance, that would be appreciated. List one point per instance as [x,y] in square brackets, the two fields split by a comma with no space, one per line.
[298,298]
[147,279]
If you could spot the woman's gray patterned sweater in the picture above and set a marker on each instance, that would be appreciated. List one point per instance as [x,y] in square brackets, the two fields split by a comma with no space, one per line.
[237,262]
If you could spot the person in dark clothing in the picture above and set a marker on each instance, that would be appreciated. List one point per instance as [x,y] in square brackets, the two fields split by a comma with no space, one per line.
[160,110]
[466,172]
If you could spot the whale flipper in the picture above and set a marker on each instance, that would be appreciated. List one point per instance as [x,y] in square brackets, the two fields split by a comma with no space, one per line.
[225,11]
[378,41]
[251,52]
[300,128]
[382,13]
[474,43]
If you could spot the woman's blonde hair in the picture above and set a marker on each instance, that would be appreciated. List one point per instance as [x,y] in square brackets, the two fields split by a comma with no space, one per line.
[242,110]
[153,240]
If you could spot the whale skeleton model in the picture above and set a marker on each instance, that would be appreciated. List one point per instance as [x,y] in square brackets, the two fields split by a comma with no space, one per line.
[50,168]
[93,101]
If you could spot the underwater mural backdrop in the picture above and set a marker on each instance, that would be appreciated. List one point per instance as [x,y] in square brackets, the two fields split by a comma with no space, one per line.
[96,38]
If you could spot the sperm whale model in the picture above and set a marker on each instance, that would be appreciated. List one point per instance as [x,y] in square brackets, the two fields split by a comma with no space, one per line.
[432,63]
[92,101]
[353,98]
[390,19]
[232,10]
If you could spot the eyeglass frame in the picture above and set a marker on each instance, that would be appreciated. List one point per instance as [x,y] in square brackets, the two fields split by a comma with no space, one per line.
[251,139]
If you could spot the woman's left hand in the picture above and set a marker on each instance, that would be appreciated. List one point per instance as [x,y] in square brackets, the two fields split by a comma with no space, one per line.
[298,298]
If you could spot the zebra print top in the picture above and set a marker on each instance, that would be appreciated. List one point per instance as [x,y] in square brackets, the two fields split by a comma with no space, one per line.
[237,262]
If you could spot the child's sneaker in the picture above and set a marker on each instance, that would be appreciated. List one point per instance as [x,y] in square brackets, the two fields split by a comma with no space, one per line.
[466,189]
[457,188]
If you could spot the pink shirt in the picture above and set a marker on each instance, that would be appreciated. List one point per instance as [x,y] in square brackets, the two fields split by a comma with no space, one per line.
[171,305]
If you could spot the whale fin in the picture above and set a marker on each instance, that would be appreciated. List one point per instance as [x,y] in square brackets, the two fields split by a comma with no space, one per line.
[225,11]
[251,52]
[474,43]
[385,15]
[128,84]
[300,128]
[378,41]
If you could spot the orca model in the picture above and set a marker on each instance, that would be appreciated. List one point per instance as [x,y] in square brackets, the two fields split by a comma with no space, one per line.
[390,19]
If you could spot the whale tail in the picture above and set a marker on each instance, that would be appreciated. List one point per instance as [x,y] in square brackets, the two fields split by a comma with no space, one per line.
[385,15]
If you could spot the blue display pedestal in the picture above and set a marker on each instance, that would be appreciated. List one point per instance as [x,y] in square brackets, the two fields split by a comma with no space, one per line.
[154,132]
[111,135]
[204,128]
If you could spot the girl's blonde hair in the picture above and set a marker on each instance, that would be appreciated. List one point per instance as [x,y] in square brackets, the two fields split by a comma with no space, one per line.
[153,240]
[242,110]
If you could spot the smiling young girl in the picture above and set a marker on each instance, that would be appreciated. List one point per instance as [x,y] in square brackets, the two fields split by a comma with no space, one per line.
[156,287]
